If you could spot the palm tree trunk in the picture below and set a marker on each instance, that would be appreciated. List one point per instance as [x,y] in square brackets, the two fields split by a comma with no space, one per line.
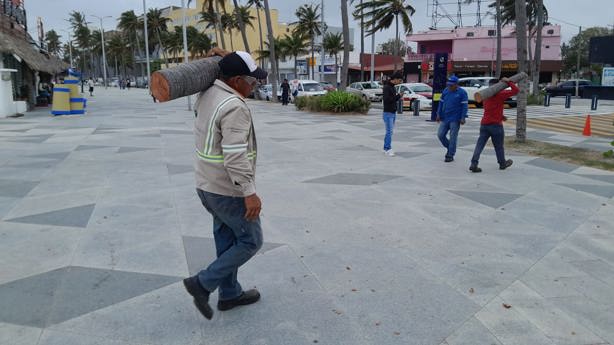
[295,67]
[396,43]
[313,65]
[260,35]
[538,46]
[241,26]
[362,43]
[521,54]
[530,50]
[273,79]
[346,46]
[232,46]
[499,62]
[219,24]
[162,48]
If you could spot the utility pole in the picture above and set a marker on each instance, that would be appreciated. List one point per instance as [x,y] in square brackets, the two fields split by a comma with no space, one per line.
[322,54]
[69,47]
[578,65]
[185,45]
[104,55]
[146,44]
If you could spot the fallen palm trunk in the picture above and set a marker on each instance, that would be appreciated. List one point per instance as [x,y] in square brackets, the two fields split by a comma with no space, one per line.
[185,79]
[482,95]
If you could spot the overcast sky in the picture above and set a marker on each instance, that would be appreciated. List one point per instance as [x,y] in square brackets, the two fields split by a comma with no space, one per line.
[563,12]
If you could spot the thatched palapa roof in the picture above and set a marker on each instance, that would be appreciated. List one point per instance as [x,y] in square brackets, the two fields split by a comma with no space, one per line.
[31,54]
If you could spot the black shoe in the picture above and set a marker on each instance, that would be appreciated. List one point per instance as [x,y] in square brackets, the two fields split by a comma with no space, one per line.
[508,163]
[475,169]
[201,296]
[448,159]
[247,297]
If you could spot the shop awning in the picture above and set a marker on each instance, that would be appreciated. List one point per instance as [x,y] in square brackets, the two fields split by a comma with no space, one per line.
[30,53]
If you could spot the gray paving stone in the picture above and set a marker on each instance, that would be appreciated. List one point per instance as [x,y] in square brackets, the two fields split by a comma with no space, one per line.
[494,200]
[283,140]
[91,147]
[176,131]
[328,137]
[552,165]
[62,294]
[16,188]
[174,169]
[410,154]
[604,178]
[75,216]
[600,190]
[126,149]
[353,179]
[18,335]
[472,332]
[35,139]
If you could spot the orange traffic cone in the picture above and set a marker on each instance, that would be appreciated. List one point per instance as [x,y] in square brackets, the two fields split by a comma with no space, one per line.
[587,126]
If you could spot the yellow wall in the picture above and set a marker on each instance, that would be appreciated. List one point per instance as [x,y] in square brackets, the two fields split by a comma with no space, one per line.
[253,36]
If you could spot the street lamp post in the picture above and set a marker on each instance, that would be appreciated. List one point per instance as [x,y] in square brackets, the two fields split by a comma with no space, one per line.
[146,43]
[104,55]
[69,47]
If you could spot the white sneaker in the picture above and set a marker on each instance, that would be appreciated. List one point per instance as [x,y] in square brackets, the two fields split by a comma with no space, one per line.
[390,153]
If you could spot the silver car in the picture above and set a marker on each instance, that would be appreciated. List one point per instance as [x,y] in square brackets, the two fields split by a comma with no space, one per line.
[367,90]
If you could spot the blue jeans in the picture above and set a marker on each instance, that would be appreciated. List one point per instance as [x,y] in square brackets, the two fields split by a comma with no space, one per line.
[496,135]
[389,120]
[236,241]
[449,126]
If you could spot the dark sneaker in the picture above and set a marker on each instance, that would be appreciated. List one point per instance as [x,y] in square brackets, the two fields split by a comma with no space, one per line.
[247,297]
[508,163]
[201,296]
[475,169]
[448,159]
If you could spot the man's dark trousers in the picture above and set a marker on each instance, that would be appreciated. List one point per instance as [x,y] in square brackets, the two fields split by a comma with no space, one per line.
[236,241]
[495,132]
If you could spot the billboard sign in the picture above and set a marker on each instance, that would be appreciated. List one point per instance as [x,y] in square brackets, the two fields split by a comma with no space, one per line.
[607,78]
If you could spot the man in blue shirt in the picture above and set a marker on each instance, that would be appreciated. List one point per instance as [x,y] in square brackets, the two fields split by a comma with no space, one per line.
[451,113]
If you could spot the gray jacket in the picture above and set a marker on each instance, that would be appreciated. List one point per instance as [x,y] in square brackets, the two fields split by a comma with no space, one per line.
[225,143]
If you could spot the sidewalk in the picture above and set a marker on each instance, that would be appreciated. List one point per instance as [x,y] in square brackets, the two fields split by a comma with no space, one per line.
[99,222]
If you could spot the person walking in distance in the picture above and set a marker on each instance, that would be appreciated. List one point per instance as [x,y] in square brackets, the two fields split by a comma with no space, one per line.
[225,182]
[492,126]
[285,92]
[451,114]
[90,84]
[390,99]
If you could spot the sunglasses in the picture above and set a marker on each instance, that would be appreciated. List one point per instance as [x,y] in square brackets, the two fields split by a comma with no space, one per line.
[253,82]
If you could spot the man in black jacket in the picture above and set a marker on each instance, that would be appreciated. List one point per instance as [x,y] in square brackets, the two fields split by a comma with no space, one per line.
[391,97]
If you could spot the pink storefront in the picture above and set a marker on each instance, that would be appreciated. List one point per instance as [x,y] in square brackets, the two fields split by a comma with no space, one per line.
[472,51]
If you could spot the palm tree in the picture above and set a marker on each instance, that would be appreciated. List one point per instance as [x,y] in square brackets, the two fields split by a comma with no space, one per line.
[346,46]
[156,24]
[241,24]
[81,33]
[210,18]
[272,46]
[521,54]
[173,41]
[130,24]
[52,39]
[243,15]
[117,51]
[228,22]
[309,24]
[332,45]
[279,53]
[213,7]
[198,43]
[294,45]
[258,5]
[382,13]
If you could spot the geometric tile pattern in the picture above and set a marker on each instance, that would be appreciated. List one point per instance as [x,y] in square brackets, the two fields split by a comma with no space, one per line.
[599,190]
[65,293]
[16,188]
[174,169]
[126,149]
[552,165]
[200,252]
[353,179]
[73,216]
[494,200]
[604,178]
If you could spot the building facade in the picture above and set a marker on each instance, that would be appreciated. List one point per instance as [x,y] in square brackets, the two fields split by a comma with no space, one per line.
[472,51]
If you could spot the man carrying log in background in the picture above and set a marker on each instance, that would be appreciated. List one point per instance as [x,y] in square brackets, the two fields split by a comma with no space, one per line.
[492,126]
[225,179]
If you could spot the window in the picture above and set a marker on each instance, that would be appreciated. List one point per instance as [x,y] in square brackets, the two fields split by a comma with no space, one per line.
[492,33]
[422,88]
[470,34]
[550,32]
[313,87]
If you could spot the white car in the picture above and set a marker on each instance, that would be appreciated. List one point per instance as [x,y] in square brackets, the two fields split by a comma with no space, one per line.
[265,92]
[475,84]
[307,88]
[415,91]
[367,90]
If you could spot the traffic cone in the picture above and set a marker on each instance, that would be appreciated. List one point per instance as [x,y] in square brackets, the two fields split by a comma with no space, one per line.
[587,126]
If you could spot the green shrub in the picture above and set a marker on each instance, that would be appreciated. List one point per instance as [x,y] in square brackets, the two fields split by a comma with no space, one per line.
[335,102]
[537,99]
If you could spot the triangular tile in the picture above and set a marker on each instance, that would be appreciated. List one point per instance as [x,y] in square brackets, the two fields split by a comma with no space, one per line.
[16,188]
[56,155]
[126,149]
[599,190]
[490,199]
[604,178]
[74,216]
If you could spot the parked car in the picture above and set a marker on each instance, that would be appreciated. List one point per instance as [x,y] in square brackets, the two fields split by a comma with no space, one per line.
[413,91]
[368,90]
[308,88]
[568,87]
[328,86]
[265,92]
[474,84]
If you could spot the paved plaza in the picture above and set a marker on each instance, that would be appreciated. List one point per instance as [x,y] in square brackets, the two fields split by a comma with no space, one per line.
[99,222]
